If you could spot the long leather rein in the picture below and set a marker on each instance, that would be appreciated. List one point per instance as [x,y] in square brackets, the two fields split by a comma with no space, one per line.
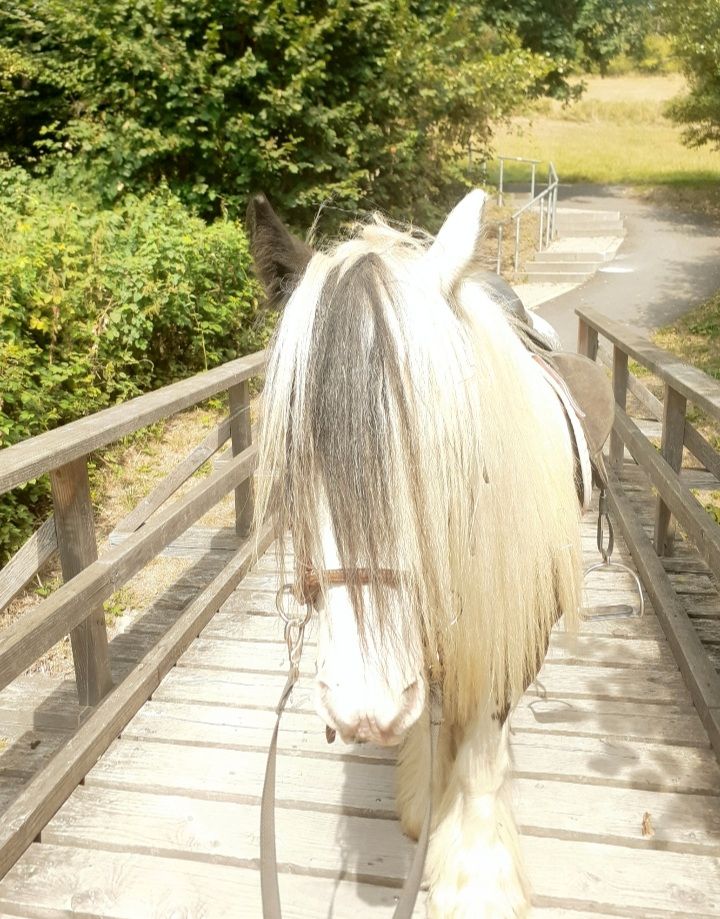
[307,591]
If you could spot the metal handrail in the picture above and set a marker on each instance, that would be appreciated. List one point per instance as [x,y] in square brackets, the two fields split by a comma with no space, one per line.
[516,159]
[545,200]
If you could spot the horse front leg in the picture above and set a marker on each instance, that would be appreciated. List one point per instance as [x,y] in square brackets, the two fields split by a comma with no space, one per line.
[413,774]
[474,866]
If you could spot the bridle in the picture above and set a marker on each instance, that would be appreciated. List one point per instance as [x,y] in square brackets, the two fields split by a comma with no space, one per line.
[307,590]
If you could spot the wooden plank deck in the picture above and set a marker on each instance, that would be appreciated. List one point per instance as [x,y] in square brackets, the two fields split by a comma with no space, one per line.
[616,787]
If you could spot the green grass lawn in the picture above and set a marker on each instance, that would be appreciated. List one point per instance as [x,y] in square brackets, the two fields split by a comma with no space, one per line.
[695,337]
[617,133]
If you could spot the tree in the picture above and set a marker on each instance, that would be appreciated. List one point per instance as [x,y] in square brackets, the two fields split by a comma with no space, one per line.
[579,33]
[694,26]
[350,100]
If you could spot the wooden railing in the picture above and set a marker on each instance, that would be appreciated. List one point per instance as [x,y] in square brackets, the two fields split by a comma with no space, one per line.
[682,384]
[76,607]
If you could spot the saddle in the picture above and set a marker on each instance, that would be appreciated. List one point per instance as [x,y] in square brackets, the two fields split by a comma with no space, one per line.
[581,385]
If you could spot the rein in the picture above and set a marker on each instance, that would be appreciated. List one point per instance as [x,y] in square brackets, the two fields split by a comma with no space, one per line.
[307,592]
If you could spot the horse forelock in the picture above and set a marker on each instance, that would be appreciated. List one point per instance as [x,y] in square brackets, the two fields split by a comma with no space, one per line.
[393,409]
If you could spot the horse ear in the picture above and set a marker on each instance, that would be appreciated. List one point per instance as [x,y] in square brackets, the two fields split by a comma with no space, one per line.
[456,245]
[280,258]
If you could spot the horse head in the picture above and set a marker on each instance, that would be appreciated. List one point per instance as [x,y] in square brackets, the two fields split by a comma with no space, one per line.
[390,450]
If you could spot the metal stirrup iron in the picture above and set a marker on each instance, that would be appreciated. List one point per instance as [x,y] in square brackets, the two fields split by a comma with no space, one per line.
[618,611]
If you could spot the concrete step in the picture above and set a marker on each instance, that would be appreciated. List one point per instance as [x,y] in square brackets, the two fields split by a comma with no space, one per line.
[550,255]
[588,216]
[559,266]
[557,277]
[587,231]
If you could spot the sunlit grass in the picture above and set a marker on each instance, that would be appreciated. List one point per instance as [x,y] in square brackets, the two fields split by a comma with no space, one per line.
[617,134]
[695,337]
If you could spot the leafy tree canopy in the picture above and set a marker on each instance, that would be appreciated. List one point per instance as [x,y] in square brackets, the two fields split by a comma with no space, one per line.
[574,34]
[694,26]
[342,99]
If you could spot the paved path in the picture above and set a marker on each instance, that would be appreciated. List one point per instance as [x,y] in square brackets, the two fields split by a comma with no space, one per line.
[668,263]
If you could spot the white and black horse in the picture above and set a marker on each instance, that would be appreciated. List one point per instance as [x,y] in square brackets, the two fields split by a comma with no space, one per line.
[413,447]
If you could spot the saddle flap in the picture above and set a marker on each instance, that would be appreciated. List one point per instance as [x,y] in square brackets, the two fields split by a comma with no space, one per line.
[591,389]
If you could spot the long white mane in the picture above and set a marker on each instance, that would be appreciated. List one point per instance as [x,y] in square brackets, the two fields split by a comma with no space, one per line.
[400,402]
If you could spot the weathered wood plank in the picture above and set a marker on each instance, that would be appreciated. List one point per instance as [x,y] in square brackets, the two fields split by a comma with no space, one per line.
[708,630]
[700,479]
[693,518]
[241,438]
[695,385]
[692,583]
[361,848]
[170,484]
[243,729]
[224,725]
[59,880]
[671,448]
[651,885]
[674,724]
[598,759]
[697,670]
[620,384]
[33,457]
[52,786]
[24,749]
[186,769]
[261,656]
[699,446]
[25,640]
[260,690]
[44,702]
[195,542]
[587,342]
[75,529]
[27,561]
[606,761]
[647,884]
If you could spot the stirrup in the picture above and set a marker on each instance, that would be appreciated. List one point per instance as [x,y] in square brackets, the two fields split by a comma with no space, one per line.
[620,610]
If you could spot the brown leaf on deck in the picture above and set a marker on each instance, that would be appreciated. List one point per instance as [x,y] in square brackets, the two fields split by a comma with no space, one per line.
[647,827]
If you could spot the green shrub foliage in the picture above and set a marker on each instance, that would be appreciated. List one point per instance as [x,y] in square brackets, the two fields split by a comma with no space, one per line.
[97,306]
[350,100]
[694,27]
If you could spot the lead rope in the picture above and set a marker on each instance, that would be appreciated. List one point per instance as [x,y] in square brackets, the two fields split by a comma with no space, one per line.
[294,637]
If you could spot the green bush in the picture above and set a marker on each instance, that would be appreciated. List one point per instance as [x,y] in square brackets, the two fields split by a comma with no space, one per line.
[97,306]
[358,101]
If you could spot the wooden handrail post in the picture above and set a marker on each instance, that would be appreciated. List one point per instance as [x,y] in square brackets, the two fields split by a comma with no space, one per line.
[587,340]
[673,437]
[77,547]
[241,438]
[620,387]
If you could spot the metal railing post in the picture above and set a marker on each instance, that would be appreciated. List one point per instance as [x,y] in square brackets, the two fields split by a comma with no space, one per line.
[542,212]
[500,182]
[532,182]
[498,265]
[548,220]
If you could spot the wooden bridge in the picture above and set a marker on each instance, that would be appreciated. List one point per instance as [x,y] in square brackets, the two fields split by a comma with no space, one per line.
[132,791]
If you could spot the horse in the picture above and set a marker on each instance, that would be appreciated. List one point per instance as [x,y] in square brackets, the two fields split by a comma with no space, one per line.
[411,445]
